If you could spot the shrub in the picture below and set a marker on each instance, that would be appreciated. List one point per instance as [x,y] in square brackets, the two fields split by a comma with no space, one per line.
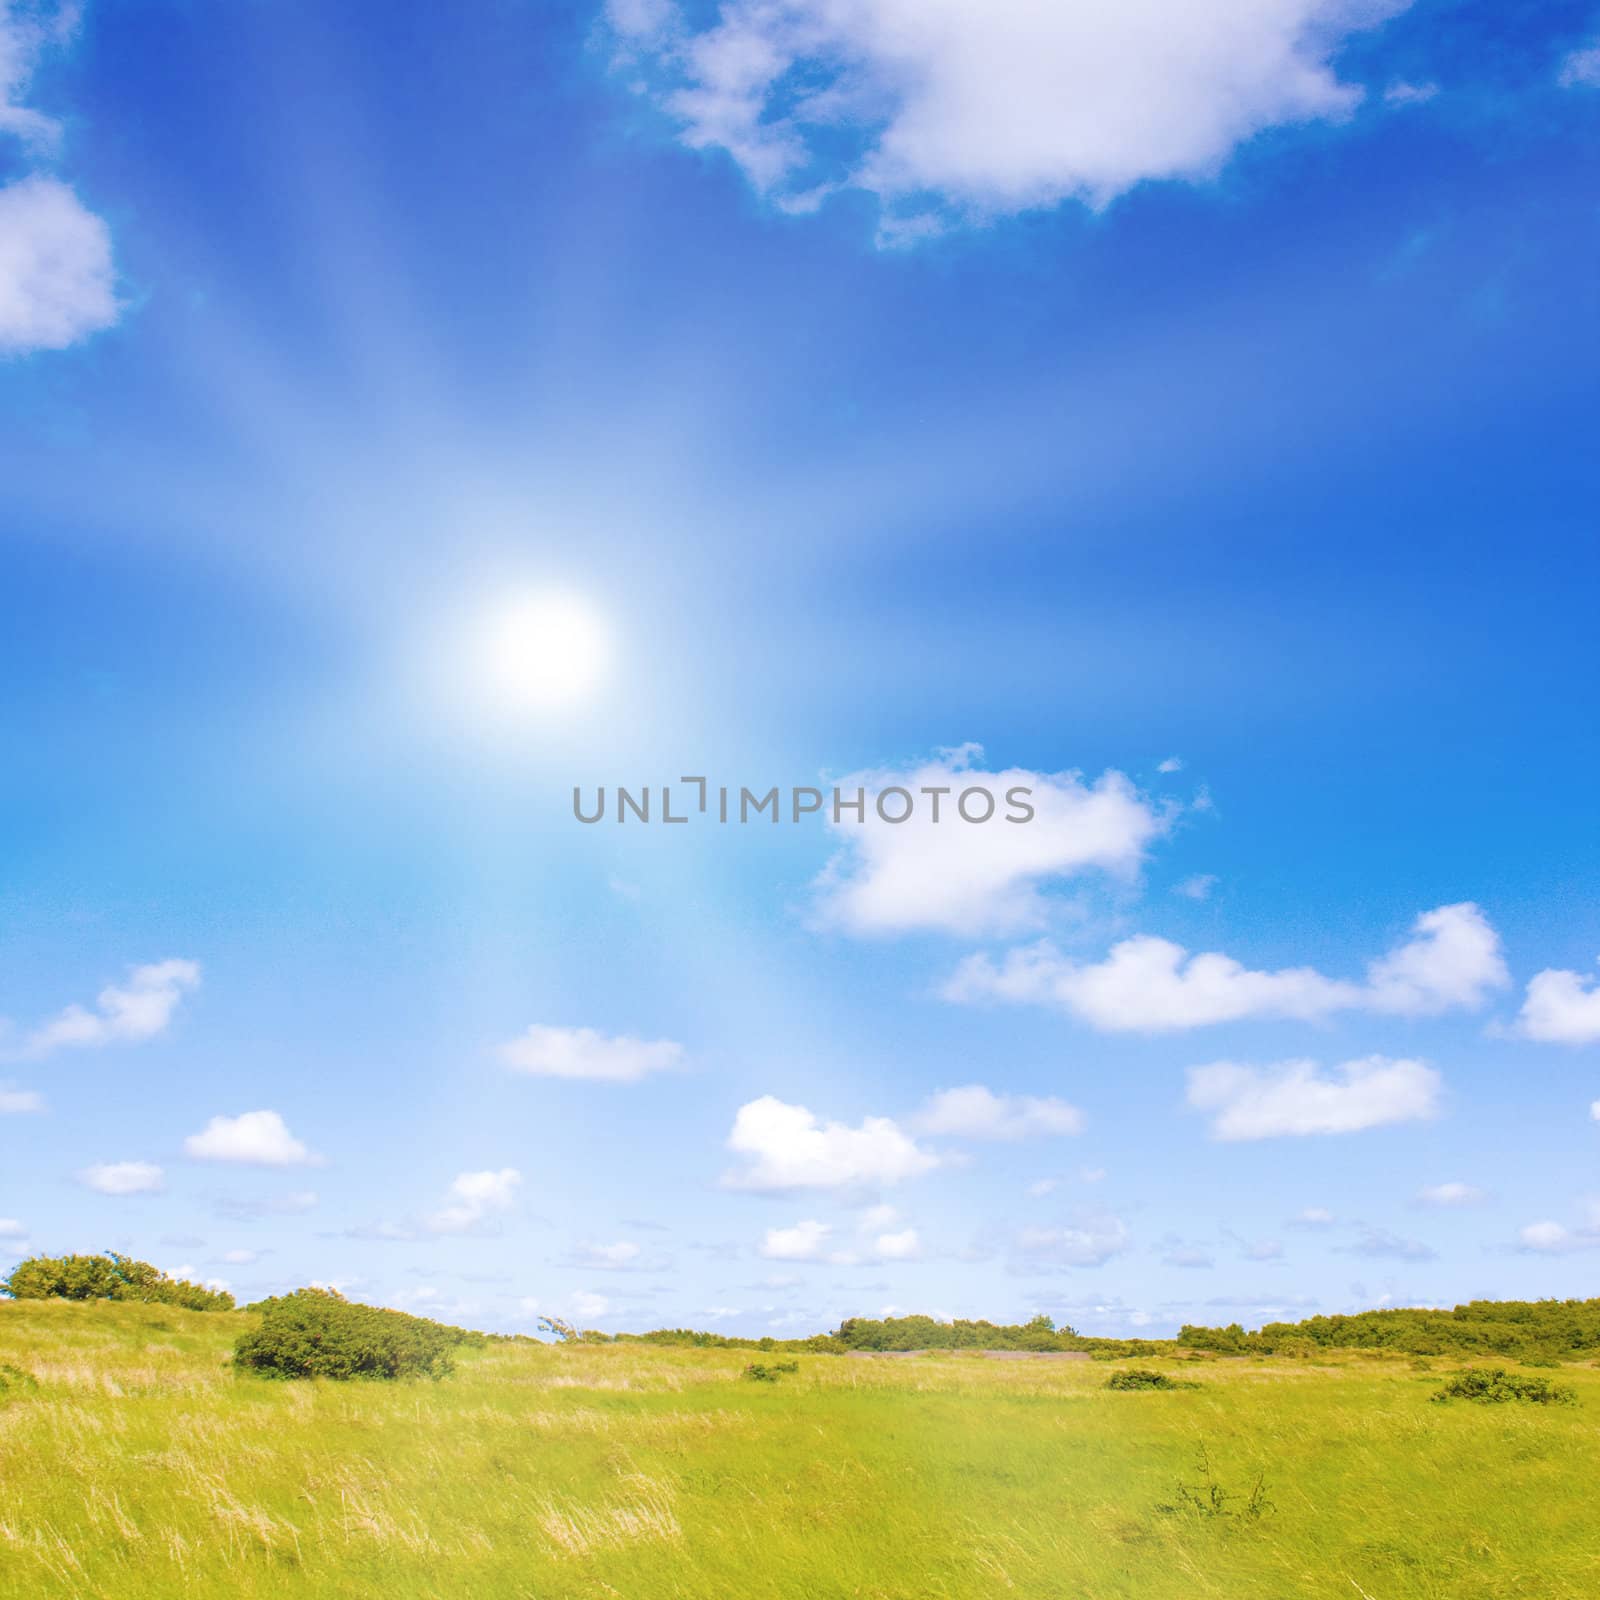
[1145,1378]
[1495,1386]
[758,1373]
[108,1277]
[316,1333]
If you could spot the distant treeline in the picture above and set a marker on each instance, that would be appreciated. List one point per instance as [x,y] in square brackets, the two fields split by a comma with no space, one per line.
[1551,1329]
[907,1333]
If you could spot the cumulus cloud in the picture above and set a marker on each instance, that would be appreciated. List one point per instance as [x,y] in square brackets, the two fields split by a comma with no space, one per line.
[902,1245]
[805,1241]
[545,1052]
[975,1112]
[57,282]
[1556,1238]
[788,1147]
[1151,985]
[972,878]
[474,1196]
[1581,69]
[16,1102]
[138,1009]
[1089,1243]
[254,1138]
[1560,1007]
[1448,1195]
[942,107]
[123,1177]
[1296,1097]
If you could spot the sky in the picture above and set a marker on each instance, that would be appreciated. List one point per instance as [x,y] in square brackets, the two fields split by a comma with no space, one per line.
[417,423]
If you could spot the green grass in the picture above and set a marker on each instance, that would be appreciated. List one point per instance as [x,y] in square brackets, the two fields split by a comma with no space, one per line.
[138,1464]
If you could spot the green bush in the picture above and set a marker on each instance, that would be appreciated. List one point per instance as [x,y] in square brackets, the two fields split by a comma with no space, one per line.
[1495,1386]
[108,1277]
[758,1373]
[317,1333]
[1146,1378]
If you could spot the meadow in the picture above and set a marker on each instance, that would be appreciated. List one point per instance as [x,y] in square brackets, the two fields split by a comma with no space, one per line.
[135,1462]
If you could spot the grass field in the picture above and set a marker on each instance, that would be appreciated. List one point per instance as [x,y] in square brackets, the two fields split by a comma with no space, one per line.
[134,1463]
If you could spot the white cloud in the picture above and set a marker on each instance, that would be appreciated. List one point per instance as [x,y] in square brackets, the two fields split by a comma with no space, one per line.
[805,1241]
[1560,1008]
[57,282]
[123,1177]
[19,1102]
[1556,1238]
[1581,69]
[975,1112]
[943,107]
[1295,1097]
[1170,765]
[616,1257]
[1594,1110]
[1091,1243]
[903,1245]
[1151,985]
[10,1228]
[241,1258]
[1451,960]
[810,1241]
[139,1009]
[474,1196]
[587,1304]
[256,1138]
[1450,1194]
[1314,1217]
[1198,887]
[545,1052]
[970,878]
[789,1148]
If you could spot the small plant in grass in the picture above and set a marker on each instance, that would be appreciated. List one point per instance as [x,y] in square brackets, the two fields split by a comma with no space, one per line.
[770,1372]
[1206,1496]
[14,1381]
[1496,1386]
[1146,1378]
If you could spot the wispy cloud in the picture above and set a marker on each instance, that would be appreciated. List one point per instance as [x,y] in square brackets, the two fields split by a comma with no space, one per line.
[1150,985]
[549,1052]
[1297,1098]
[129,1012]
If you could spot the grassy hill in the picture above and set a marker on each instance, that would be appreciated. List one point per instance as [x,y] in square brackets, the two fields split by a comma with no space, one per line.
[135,1462]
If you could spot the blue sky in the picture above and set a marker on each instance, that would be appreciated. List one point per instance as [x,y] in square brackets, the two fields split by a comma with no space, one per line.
[406,418]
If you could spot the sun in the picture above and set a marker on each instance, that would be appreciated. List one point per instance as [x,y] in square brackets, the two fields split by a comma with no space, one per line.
[544,651]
